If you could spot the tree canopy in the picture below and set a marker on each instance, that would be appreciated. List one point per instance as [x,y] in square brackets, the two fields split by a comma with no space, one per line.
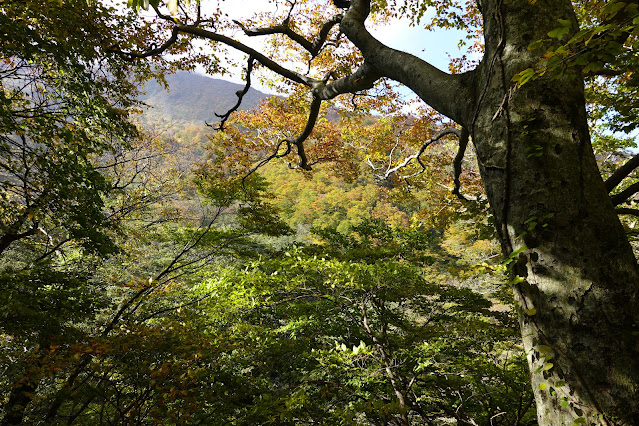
[88,337]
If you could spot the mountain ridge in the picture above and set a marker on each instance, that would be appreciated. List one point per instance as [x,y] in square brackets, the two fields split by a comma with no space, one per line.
[194,98]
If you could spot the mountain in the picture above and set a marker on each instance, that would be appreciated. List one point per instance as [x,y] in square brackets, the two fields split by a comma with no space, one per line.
[194,98]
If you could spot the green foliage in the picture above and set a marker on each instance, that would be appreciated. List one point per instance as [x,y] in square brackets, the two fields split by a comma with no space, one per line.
[322,199]
[60,110]
[337,330]
[35,303]
[125,298]
[604,50]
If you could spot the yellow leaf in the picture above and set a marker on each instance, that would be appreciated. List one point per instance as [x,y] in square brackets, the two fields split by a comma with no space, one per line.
[173,7]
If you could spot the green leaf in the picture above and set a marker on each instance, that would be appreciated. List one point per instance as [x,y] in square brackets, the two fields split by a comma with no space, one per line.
[545,349]
[558,32]
[543,386]
[518,279]
[523,77]
[535,45]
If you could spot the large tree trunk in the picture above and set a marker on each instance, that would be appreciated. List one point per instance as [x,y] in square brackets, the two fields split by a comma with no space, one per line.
[578,300]
[575,276]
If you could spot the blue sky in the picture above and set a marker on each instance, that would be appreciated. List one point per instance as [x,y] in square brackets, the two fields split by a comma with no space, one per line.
[431,46]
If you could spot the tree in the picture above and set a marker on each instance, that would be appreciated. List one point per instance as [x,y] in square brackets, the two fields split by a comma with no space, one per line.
[574,273]
[347,331]
[63,105]
[70,174]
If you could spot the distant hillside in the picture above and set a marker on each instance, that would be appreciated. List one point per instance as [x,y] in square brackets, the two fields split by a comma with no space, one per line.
[194,98]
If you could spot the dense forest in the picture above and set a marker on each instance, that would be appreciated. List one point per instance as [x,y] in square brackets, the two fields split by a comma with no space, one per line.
[178,249]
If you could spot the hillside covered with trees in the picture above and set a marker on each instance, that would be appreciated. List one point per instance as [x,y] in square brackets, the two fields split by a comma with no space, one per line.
[331,255]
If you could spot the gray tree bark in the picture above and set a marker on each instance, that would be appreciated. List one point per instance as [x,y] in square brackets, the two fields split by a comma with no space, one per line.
[579,278]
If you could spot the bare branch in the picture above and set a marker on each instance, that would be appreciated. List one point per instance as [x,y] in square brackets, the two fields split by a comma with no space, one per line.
[175,308]
[261,58]
[240,95]
[390,171]
[131,56]
[298,142]
[622,172]
[313,47]
[362,79]
[276,154]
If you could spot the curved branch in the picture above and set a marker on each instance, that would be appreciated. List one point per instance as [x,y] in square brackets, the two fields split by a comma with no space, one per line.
[298,142]
[268,159]
[362,79]
[240,95]
[416,156]
[432,85]
[457,162]
[131,56]
[621,173]
[308,129]
[261,58]
[313,47]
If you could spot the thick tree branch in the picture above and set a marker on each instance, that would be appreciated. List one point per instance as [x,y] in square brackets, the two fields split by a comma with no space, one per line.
[607,72]
[625,194]
[362,79]
[342,4]
[622,172]
[9,238]
[298,142]
[308,129]
[628,211]
[435,87]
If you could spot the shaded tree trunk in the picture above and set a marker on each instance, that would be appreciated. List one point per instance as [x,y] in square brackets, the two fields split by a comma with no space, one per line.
[575,276]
